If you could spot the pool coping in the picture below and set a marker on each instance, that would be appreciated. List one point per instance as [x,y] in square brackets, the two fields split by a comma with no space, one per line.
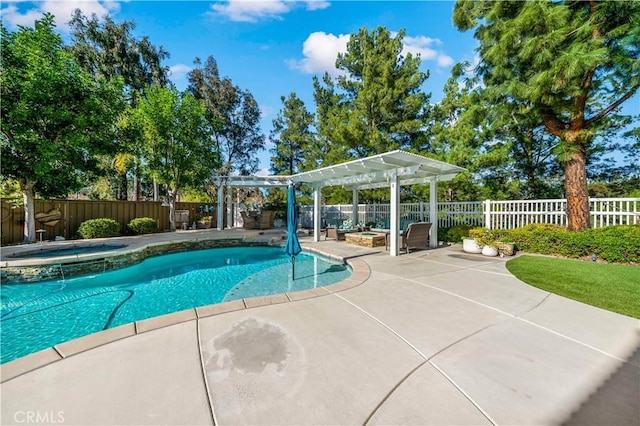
[15,368]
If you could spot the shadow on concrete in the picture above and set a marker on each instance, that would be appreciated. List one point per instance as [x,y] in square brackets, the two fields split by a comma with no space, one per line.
[473,257]
[616,401]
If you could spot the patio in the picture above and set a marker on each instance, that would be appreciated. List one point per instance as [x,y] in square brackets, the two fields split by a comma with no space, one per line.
[432,337]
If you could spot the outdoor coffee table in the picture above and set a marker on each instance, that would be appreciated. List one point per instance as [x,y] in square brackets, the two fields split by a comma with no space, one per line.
[366,239]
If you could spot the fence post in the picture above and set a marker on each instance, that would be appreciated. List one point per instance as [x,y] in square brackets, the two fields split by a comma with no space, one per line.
[422,211]
[487,213]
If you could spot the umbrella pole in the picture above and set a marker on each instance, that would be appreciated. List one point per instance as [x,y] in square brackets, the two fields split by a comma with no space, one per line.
[293,267]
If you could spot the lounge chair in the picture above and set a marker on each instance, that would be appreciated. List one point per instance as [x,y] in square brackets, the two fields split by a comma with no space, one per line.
[415,236]
[248,222]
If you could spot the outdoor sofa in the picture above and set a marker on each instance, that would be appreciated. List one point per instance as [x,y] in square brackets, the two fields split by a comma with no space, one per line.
[337,229]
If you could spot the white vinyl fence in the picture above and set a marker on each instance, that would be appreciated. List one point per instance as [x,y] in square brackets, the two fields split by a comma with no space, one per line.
[488,213]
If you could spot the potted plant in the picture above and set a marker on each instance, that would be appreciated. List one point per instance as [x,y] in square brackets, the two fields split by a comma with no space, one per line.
[486,239]
[470,244]
[506,247]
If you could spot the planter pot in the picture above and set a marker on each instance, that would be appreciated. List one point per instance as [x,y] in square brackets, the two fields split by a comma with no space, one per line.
[489,251]
[506,249]
[469,245]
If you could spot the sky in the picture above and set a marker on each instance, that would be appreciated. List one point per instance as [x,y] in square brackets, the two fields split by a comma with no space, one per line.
[273,47]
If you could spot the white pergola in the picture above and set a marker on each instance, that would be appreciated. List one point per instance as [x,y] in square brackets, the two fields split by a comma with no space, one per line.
[390,169]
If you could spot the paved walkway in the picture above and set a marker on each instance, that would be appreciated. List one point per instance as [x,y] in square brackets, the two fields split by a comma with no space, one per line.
[433,337]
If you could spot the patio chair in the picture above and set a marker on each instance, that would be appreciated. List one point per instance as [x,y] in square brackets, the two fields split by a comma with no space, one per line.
[248,222]
[415,236]
[266,220]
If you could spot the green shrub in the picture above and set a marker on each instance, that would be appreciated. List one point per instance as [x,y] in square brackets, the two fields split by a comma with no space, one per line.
[541,238]
[143,225]
[99,228]
[485,236]
[457,233]
[619,244]
[616,243]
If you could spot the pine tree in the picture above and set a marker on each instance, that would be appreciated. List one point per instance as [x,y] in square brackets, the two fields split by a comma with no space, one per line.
[291,136]
[384,106]
[575,62]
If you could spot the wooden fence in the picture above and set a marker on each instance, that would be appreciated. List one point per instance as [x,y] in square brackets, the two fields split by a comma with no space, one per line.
[489,213]
[74,212]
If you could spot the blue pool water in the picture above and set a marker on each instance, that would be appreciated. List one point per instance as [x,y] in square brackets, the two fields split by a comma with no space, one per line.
[39,315]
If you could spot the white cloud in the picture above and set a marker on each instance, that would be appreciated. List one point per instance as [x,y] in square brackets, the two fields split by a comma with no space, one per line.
[317,4]
[320,52]
[263,172]
[62,10]
[254,10]
[179,71]
[423,46]
[12,17]
[251,11]
[444,60]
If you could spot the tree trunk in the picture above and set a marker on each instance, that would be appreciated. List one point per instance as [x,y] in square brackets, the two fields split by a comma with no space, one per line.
[172,209]
[29,213]
[136,188]
[577,192]
[156,190]
[123,188]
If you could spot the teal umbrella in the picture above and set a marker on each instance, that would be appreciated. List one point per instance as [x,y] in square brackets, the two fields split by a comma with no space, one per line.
[292,246]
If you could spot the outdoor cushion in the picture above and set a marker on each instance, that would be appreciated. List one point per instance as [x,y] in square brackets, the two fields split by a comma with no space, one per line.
[383,225]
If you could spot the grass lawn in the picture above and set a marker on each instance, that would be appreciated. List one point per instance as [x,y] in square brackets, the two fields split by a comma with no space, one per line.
[612,287]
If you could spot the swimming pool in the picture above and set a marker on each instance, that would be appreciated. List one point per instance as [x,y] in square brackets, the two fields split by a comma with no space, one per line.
[39,315]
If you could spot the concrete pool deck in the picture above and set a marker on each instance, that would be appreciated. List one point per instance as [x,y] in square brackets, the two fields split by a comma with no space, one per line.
[432,337]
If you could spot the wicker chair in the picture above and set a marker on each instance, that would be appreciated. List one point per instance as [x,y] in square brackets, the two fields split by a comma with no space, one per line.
[266,220]
[331,232]
[248,222]
[415,236]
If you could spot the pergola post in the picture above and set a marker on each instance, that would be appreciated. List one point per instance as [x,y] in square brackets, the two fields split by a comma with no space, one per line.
[229,206]
[394,223]
[433,213]
[220,211]
[317,206]
[354,208]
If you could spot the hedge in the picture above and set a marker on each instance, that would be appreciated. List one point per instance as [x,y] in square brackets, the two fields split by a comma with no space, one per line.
[616,244]
[143,225]
[99,228]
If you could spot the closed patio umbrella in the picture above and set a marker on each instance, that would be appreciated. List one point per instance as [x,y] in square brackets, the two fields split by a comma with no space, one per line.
[292,246]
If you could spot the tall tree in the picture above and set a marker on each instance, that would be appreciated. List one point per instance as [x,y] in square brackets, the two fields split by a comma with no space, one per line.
[110,50]
[178,140]
[291,136]
[504,147]
[575,62]
[385,106]
[328,148]
[56,118]
[234,115]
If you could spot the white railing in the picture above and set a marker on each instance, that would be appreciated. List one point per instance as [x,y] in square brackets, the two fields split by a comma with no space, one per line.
[488,213]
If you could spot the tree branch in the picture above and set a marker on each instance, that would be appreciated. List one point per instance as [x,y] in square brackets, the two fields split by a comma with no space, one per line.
[613,106]
[555,126]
